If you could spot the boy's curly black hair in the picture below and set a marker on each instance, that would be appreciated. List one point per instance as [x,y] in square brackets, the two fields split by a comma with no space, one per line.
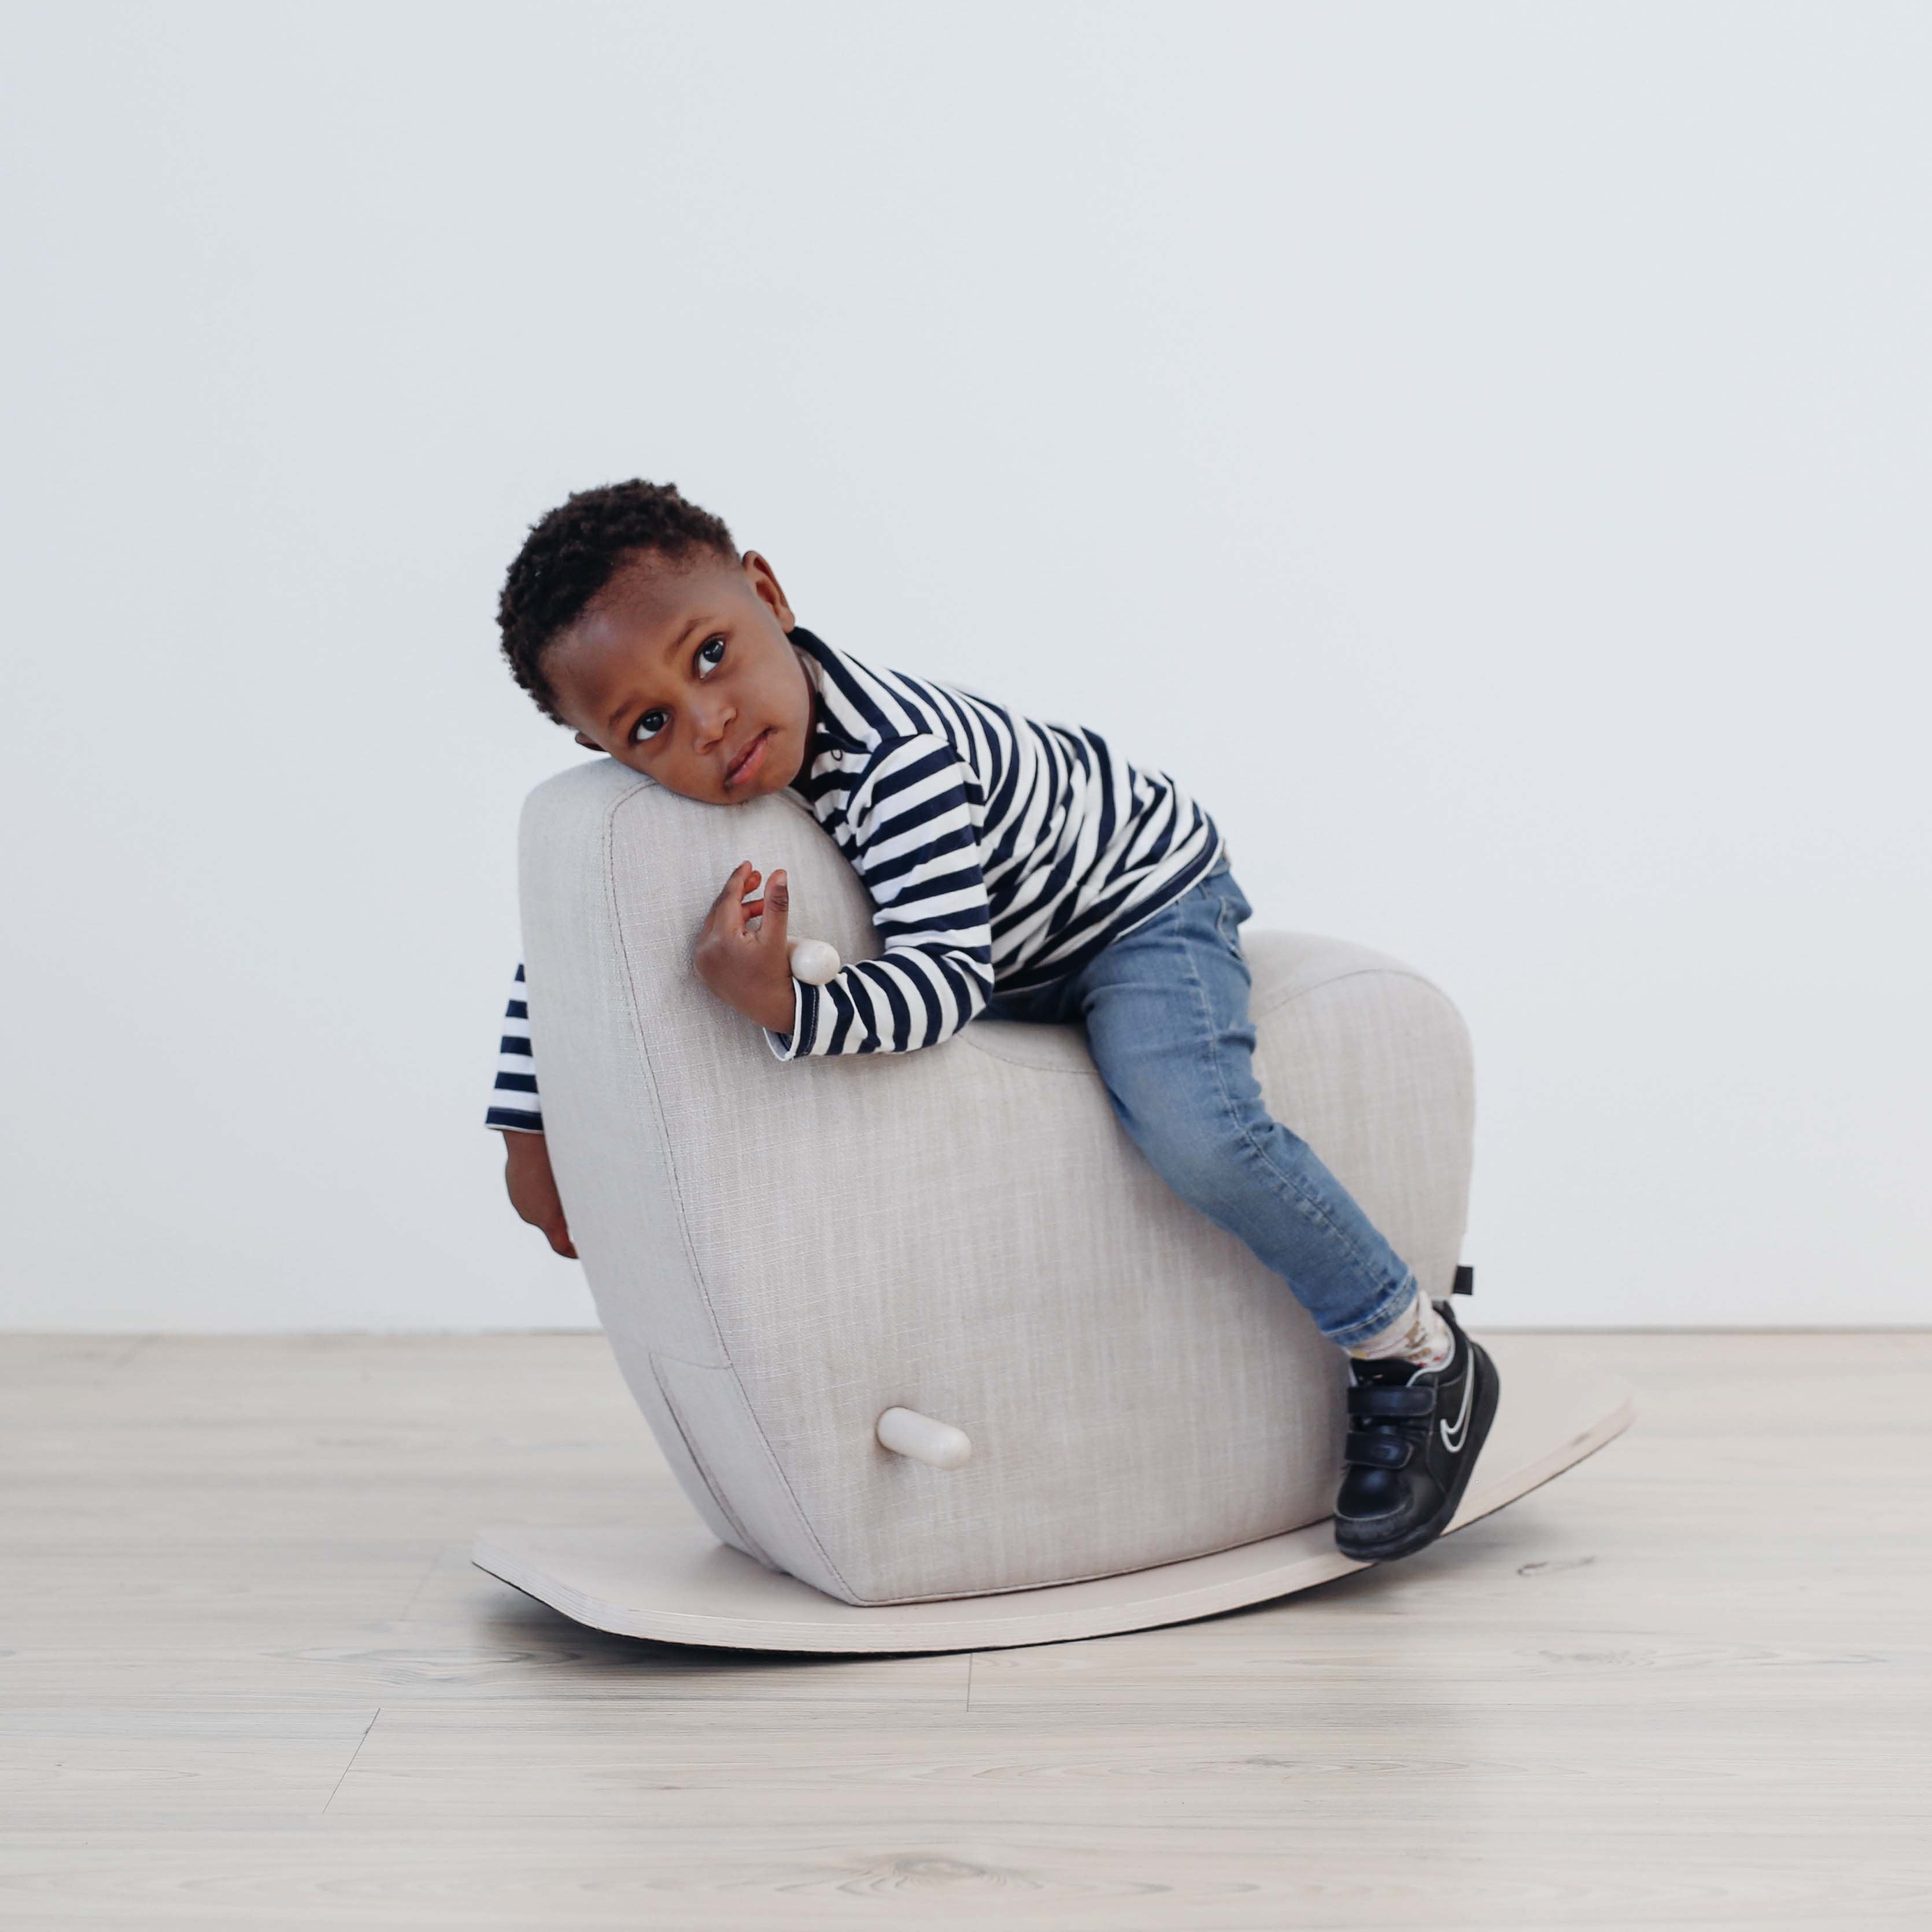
[571,553]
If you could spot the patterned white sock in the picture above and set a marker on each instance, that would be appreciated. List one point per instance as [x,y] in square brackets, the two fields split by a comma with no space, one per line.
[1418,1334]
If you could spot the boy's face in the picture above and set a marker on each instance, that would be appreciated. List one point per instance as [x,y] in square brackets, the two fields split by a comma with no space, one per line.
[678,668]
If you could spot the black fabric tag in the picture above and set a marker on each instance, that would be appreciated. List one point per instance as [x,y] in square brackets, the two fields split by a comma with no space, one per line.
[1465,1279]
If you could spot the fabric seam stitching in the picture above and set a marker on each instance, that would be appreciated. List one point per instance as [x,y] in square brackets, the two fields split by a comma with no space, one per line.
[677,1194]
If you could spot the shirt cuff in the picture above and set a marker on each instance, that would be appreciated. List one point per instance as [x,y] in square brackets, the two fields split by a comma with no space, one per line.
[804,1022]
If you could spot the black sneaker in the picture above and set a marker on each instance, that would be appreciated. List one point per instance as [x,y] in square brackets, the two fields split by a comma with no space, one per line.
[1415,1436]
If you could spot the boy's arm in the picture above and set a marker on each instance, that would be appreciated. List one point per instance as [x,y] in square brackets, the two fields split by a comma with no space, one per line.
[515,1112]
[513,1100]
[532,1188]
[916,813]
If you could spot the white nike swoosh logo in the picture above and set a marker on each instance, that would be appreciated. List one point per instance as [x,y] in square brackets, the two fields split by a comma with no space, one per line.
[1452,1438]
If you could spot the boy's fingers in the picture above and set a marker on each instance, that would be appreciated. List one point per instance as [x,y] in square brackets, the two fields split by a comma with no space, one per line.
[778,903]
[728,910]
[756,908]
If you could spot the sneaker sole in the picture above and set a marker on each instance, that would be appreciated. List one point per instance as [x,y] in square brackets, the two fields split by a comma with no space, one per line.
[1483,1412]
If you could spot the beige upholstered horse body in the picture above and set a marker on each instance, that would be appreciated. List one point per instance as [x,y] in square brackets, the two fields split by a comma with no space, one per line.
[783,1252]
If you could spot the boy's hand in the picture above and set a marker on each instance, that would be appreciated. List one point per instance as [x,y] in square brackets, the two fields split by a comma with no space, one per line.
[533,1188]
[749,969]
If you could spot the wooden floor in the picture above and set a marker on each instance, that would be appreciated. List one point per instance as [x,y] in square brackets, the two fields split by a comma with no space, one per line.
[249,1677]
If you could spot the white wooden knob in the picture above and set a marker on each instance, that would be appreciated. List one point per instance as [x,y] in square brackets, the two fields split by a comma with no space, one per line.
[814,961]
[906,1432]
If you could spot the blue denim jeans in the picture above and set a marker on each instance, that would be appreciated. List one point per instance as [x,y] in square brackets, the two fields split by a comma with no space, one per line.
[1165,1010]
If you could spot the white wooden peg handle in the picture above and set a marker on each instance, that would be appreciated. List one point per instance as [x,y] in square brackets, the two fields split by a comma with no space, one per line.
[814,961]
[906,1432]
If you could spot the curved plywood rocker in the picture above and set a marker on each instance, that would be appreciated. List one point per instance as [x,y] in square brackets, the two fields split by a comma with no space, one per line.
[940,1359]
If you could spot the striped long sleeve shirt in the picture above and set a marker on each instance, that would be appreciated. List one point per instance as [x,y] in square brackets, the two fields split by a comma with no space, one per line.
[1000,853]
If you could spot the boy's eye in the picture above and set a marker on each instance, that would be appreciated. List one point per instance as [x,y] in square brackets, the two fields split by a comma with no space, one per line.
[709,655]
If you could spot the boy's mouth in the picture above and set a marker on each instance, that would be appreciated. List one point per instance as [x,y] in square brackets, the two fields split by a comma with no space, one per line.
[747,761]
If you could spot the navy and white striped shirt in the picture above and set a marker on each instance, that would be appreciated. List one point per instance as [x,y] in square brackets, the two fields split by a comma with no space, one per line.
[1000,853]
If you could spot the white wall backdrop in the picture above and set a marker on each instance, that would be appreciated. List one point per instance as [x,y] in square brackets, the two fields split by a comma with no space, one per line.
[1482,450]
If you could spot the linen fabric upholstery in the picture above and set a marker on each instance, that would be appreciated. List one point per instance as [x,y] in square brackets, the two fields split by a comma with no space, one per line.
[780,1251]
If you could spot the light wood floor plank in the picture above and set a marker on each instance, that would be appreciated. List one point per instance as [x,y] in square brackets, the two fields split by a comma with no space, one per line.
[1136,1874]
[249,1678]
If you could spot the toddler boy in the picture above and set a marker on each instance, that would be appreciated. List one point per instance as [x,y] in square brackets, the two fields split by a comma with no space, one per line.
[1018,869]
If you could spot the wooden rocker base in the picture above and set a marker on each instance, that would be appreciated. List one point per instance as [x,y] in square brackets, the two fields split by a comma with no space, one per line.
[681,1585]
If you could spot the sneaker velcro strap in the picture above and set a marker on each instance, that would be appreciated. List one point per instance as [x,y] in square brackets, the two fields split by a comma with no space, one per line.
[1375,1452]
[1373,1399]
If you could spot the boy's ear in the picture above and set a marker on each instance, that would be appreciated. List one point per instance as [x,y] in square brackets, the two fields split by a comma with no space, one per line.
[765,586]
[589,744]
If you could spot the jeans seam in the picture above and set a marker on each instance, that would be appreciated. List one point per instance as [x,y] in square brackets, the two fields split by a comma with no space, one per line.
[1395,1298]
